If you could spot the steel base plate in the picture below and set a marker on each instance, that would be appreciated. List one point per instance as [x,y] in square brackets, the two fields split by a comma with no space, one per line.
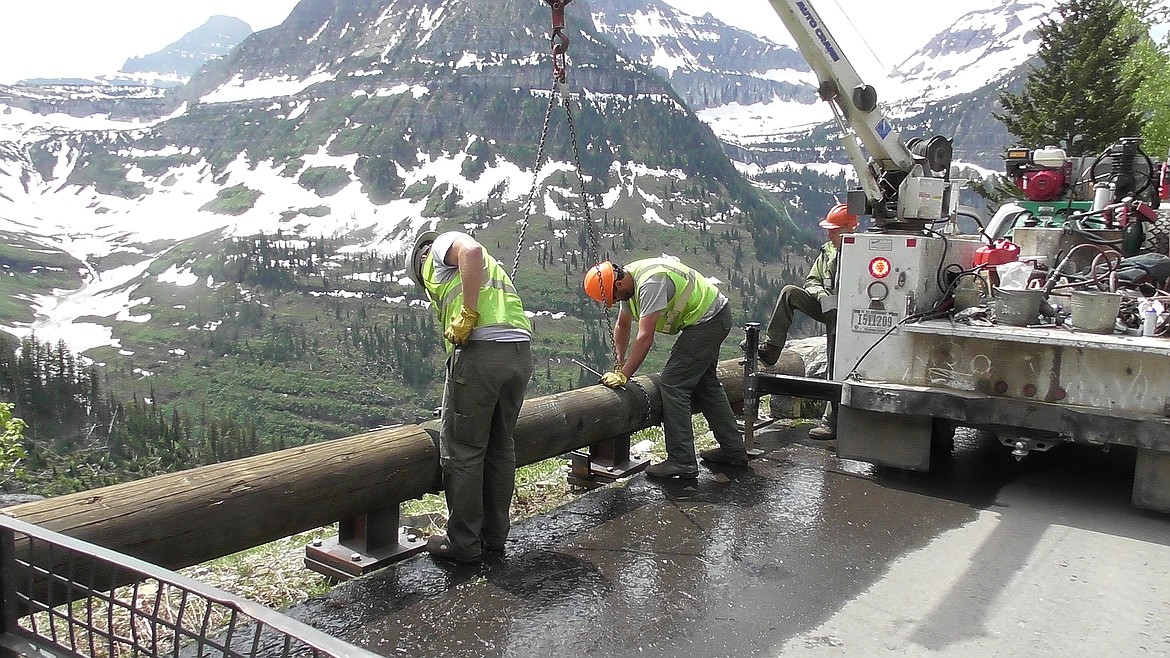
[600,474]
[337,560]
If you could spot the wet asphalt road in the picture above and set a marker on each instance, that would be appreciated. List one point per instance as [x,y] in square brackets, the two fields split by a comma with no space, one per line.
[800,554]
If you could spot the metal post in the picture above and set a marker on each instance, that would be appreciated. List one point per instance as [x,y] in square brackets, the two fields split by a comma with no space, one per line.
[8,578]
[606,461]
[751,400]
[364,543]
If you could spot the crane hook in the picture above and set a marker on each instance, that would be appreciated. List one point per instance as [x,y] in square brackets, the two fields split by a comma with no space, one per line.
[560,41]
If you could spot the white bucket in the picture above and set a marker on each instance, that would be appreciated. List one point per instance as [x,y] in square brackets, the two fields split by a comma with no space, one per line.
[1094,311]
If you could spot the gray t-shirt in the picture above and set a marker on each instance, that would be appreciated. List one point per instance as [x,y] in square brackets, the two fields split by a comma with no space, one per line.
[445,272]
[655,291]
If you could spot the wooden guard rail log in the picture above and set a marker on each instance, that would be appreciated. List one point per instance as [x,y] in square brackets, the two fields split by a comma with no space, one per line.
[185,518]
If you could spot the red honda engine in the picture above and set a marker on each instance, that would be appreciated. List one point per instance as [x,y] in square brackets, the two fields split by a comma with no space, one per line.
[1043,174]
[1042,185]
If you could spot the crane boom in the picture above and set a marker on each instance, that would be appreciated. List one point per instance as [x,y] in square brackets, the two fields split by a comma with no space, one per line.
[851,97]
[902,183]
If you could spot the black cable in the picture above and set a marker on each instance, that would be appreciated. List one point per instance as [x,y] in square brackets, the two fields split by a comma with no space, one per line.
[853,371]
[1077,227]
[973,273]
[946,249]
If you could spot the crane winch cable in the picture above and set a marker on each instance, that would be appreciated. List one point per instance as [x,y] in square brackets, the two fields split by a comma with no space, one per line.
[560,49]
[861,35]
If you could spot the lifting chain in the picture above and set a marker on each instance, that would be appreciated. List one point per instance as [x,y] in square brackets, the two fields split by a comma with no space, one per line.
[560,48]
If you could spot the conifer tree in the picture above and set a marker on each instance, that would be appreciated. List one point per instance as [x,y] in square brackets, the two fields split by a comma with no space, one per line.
[1082,96]
[1153,59]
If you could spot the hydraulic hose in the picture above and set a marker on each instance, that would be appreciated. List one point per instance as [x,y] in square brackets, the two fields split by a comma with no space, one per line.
[1058,272]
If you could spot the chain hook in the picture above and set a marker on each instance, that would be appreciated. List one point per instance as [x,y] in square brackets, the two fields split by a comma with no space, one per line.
[560,40]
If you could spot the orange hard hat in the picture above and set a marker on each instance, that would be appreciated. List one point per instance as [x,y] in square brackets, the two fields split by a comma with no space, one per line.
[839,217]
[599,283]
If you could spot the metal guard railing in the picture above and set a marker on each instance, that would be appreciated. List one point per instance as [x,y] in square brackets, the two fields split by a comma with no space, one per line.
[65,596]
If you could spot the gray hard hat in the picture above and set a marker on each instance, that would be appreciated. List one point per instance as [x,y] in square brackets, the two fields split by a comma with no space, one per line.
[413,262]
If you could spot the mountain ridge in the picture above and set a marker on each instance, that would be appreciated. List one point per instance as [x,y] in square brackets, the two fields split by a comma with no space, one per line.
[175,63]
[407,126]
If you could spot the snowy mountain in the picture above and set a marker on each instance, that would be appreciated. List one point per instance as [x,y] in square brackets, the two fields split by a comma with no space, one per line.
[368,120]
[710,64]
[949,86]
[176,63]
[982,49]
[169,67]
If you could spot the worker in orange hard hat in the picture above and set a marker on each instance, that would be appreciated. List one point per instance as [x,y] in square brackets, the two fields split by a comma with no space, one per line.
[664,296]
[599,282]
[816,299]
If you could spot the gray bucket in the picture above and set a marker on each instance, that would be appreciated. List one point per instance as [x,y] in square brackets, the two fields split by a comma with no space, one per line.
[969,292]
[1018,308]
[1094,311]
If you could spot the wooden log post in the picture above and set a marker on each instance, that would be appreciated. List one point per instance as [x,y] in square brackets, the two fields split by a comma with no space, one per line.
[184,518]
[180,519]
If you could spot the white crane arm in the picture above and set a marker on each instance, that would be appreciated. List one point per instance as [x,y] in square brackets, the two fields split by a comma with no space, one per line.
[893,176]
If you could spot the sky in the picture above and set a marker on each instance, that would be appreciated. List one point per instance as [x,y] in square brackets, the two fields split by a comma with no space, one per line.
[892,30]
[59,38]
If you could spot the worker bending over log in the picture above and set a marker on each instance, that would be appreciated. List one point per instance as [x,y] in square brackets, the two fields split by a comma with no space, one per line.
[665,296]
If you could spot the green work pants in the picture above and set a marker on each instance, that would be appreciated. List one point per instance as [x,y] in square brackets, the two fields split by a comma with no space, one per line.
[481,402]
[690,385]
[792,299]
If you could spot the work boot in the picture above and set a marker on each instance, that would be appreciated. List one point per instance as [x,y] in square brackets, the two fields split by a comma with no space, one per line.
[823,432]
[721,456]
[767,352]
[668,470]
[440,546]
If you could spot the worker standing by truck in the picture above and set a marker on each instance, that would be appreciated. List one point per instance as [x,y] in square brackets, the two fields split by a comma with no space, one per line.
[816,299]
[488,338]
[665,296]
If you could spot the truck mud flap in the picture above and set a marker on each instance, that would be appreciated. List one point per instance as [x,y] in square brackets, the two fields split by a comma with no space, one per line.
[1151,481]
[898,440]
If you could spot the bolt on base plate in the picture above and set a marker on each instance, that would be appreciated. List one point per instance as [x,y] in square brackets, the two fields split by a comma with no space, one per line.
[332,558]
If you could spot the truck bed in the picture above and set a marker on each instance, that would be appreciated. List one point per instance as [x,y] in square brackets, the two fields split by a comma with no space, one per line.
[1094,388]
[1060,336]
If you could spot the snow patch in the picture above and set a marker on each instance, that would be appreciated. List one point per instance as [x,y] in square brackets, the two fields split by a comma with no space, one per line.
[178,276]
[239,89]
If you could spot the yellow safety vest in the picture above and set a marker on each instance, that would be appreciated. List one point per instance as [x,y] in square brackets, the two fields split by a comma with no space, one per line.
[693,293]
[499,305]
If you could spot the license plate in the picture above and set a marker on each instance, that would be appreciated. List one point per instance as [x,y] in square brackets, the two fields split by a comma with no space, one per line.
[869,321]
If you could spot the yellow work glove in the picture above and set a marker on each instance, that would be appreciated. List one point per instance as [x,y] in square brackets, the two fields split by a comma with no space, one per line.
[615,379]
[460,328]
